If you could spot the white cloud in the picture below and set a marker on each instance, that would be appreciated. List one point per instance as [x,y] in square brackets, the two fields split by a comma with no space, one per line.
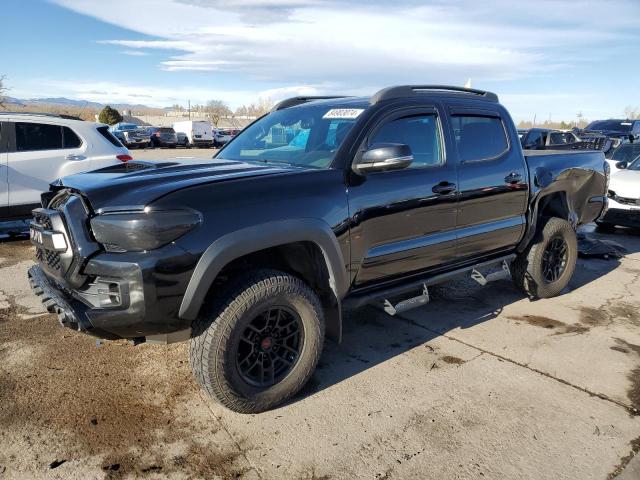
[291,41]
[134,53]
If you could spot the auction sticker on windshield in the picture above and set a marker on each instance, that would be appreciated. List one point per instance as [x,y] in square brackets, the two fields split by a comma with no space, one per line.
[345,113]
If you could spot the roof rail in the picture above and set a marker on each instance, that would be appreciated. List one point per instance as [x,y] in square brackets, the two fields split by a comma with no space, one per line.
[42,114]
[407,91]
[293,101]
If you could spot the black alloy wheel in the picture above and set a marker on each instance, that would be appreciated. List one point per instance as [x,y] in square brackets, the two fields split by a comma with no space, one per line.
[270,346]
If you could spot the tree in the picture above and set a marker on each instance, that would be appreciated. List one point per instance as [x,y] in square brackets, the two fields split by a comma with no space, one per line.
[3,90]
[632,113]
[110,116]
[262,106]
[216,109]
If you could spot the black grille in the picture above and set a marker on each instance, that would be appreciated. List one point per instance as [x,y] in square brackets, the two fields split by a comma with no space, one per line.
[46,257]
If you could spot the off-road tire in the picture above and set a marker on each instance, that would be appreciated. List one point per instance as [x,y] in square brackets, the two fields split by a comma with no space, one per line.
[216,331]
[527,268]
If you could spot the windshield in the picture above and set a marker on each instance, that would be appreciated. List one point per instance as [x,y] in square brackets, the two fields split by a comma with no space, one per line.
[305,136]
[626,152]
[616,125]
[635,165]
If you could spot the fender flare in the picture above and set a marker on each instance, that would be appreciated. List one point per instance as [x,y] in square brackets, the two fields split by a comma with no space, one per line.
[259,237]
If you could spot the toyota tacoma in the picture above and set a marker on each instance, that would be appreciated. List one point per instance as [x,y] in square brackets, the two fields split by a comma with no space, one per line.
[322,205]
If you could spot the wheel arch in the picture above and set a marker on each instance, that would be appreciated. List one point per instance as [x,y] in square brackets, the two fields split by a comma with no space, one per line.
[547,204]
[276,239]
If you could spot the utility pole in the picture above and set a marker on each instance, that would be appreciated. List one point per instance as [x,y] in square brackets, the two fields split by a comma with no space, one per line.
[189,109]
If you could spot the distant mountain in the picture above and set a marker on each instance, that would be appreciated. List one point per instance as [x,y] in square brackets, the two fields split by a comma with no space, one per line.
[63,101]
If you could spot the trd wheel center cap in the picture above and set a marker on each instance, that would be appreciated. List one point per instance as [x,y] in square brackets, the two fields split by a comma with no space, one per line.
[266,343]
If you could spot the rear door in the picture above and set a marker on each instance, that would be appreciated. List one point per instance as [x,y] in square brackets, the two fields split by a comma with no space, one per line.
[404,221]
[492,179]
[37,157]
[4,186]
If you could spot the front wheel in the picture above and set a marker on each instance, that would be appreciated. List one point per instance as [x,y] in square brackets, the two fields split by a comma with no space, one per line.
[545,268]
[258,344]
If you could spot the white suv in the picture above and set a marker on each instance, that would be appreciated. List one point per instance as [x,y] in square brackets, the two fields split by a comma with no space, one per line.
[36,149]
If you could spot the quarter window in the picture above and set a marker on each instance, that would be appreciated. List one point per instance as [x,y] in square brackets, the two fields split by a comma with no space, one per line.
[70,139]
[479,137]
[420,133]
[37,136]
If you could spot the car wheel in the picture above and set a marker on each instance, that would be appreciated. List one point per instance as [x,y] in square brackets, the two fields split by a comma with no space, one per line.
[605,227]
[545,268]
[259,343]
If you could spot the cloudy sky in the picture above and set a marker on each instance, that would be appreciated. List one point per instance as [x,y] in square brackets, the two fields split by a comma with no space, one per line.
[545,58]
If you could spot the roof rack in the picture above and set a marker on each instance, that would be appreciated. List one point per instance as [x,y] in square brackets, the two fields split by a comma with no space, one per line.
[407,91]
[42,114]
[293,101]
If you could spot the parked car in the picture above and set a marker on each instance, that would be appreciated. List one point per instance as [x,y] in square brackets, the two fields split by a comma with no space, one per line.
[131,135]
[221,136]
[163,137]
[182,139]
[618,131]
[624,196]
[198,132]
[36,149]
[320,206]
[551,139]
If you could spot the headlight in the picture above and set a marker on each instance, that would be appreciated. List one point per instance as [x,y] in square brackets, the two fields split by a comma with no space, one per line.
[143,230]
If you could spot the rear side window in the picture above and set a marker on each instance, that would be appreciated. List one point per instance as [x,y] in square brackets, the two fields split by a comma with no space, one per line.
[70,139]
[479,137]
[420,133]
[37,136]
[104,131]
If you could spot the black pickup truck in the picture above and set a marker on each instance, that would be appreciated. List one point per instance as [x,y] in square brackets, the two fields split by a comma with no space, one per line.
[322,205]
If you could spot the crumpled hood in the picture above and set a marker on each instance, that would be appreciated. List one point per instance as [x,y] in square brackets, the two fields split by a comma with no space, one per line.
[626,183]
[135,184]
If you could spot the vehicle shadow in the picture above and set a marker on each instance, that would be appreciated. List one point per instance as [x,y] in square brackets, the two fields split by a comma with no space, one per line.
[371,337]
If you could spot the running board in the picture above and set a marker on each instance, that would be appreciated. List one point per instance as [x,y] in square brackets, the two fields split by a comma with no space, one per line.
[502,274]
[409,303]
[394,291]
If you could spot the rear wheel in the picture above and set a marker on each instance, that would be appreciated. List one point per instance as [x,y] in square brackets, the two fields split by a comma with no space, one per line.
[545,268]
[259,343]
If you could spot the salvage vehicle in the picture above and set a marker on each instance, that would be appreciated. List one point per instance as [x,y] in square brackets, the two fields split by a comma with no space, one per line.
[163,137]
[616,131]
[550,139]
[131,135]
[222,136]
[198,132]
[322,205]
[624,197]
[38,148]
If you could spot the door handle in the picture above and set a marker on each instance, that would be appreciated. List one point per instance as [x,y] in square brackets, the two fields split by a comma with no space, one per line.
[513,177]
[74,157]
[444,188]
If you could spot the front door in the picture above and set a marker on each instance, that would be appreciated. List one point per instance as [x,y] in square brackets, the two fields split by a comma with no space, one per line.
[404,221]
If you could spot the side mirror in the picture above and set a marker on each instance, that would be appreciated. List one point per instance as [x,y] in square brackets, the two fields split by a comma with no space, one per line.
[382,157]
[621,165]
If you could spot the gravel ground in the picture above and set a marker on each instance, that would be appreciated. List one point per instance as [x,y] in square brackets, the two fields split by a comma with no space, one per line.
[480,383]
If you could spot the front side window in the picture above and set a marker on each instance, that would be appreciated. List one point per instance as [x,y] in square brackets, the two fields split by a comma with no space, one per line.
[37,136]
[479,137]
[305,136]
[420,133]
